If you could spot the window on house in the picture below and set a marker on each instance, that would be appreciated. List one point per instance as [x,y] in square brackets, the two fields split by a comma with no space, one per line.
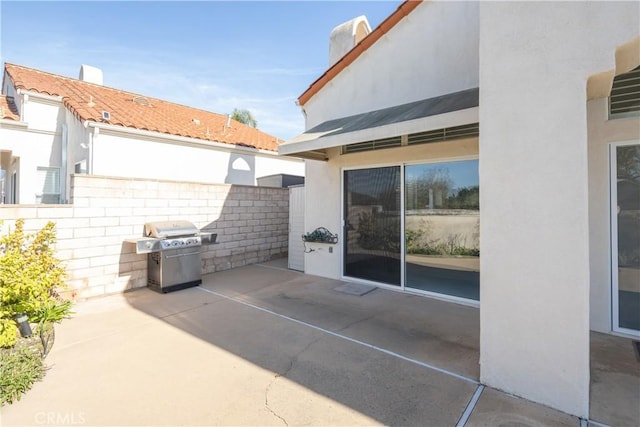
[48,182]
[624,100]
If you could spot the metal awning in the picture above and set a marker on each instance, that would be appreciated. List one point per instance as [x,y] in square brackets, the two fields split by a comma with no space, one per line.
[453,109]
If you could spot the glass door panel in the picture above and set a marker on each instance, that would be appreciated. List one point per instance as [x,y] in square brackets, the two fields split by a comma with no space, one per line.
[442,228]
[372,224]
[627,238]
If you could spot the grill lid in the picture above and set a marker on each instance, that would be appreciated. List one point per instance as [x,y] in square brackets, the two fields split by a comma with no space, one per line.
[169,229]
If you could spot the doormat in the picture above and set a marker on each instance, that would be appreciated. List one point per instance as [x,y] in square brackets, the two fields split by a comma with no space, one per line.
[355,289]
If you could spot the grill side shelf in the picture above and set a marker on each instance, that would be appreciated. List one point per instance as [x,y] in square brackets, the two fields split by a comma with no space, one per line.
[145,245]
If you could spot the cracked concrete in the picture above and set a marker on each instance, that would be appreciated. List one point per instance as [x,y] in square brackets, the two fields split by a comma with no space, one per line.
[197,358]
[292,362]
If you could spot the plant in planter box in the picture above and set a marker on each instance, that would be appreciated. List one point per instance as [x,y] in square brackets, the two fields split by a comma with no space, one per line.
[320,235]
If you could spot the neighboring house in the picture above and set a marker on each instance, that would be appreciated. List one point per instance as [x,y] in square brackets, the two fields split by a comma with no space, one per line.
[53,126]
[472,151]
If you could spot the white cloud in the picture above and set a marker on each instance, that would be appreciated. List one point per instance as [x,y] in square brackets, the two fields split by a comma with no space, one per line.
[208,83]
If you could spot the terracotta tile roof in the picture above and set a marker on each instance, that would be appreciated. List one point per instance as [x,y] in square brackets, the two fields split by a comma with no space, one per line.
[403,10]
[8,108]
[87,101]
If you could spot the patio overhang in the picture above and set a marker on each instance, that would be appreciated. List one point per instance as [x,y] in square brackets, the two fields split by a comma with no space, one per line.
[453,109]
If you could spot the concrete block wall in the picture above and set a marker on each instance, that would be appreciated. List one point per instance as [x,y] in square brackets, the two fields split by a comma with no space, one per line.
[251,223]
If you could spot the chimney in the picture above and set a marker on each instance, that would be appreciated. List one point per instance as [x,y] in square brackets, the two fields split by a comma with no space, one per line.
[90,74]
[345,36]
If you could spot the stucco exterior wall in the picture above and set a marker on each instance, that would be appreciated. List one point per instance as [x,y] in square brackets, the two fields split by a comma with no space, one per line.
[42,114]
[34,148]
[77,145]
[140,157]
[602,132]
[42,143]
[323,183]
[433,51]
[535,59]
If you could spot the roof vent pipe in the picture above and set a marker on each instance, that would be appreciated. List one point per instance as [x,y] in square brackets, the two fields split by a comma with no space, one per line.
[228,121]
[90,74]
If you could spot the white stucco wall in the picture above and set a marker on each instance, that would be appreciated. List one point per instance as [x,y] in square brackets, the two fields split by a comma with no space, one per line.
[125,155]
[34,149]
[42,114]
[77,145]
[535,58]
[323,185]
[272,165]
[41,142]
[602,132]
[37,144]
[431,52]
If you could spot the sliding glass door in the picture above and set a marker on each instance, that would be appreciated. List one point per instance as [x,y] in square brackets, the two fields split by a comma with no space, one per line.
[625,226]
[372,224]
[442,228]
[414,226]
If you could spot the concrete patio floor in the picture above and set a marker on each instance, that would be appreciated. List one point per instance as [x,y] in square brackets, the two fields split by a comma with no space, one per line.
[262,345]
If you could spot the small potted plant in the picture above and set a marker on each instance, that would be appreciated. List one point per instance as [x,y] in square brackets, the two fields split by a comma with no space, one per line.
[320,235]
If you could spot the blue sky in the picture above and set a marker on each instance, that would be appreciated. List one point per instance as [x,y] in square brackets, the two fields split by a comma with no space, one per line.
[214,55]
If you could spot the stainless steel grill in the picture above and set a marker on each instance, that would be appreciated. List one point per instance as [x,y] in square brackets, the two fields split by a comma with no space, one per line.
[173,260]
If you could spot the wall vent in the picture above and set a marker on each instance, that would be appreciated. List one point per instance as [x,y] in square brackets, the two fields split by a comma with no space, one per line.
[444,134]
[141,100]
[377,144]
[624,100]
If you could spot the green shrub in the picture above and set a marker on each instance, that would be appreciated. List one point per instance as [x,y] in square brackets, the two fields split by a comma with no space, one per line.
[20,367]
[8,332]
[30,279]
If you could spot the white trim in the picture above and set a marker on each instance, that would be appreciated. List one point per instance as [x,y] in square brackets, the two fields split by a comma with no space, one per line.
[443,297]
[38,95]
[413,291]
[403,231]
[177,138]
[343,222]
[613,226]
[443,159]
[9,122]
[5,123]
[399,287]
[613,248]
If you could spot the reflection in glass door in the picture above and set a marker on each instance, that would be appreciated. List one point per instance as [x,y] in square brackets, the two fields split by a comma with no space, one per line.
[625,217]
[372,224]
[442,228]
